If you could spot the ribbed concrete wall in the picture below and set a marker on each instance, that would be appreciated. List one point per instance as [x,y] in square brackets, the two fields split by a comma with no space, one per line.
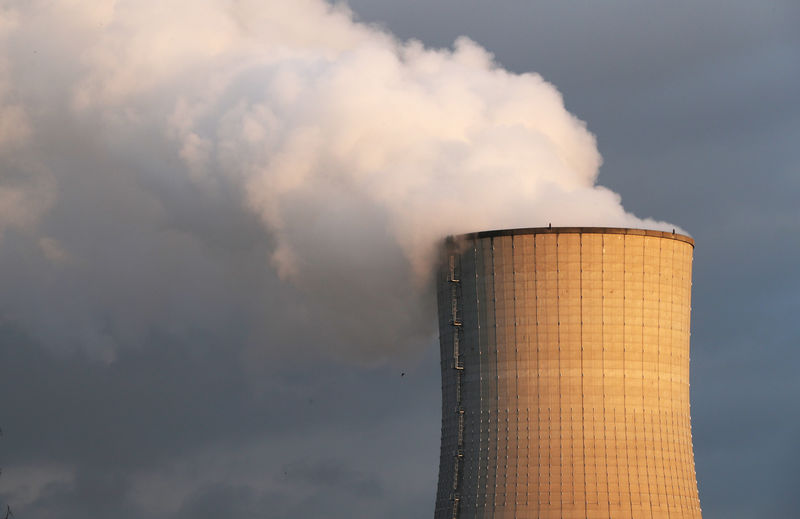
[565,376]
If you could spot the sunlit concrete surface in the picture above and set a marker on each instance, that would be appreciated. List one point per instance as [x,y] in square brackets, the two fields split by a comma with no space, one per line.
[565,375]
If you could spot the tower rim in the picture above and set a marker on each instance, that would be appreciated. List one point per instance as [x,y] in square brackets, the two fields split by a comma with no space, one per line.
[572,230]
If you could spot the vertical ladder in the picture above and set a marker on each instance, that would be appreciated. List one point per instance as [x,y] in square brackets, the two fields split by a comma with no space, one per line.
[457,330]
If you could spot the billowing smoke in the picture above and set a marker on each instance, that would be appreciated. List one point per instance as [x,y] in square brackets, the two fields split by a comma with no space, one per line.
[141,140]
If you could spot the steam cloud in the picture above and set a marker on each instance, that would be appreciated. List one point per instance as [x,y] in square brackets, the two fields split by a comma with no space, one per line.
[137,136]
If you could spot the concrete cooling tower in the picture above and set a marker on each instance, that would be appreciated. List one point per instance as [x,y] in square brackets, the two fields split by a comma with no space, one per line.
[565,375]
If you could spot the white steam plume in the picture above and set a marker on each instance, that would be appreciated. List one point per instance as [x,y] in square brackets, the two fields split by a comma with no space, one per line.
[357,151]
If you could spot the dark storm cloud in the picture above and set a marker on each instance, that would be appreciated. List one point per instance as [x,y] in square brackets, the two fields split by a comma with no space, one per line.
[205,389]
[337,478]
[620,46]
[179,425]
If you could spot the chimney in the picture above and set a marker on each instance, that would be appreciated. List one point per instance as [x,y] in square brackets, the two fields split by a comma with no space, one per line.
[565,375]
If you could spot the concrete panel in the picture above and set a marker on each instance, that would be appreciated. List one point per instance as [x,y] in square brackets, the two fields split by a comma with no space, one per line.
[565,375]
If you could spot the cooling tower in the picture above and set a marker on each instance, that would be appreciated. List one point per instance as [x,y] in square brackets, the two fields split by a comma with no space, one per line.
[565,375]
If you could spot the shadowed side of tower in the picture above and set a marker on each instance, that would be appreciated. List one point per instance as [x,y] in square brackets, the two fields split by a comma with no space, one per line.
[565,375]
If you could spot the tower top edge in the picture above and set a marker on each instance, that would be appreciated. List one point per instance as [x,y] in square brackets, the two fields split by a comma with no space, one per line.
[573,230]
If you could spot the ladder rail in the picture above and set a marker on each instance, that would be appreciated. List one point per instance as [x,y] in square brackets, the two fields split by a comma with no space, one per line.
[456,323]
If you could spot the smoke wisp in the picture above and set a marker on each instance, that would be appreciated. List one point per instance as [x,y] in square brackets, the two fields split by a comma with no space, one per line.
[145,147]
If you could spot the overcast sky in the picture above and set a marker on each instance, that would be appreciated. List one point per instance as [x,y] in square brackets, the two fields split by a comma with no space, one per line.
[173,346]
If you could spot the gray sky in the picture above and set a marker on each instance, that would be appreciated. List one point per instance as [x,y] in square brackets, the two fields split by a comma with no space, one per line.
[153,363]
